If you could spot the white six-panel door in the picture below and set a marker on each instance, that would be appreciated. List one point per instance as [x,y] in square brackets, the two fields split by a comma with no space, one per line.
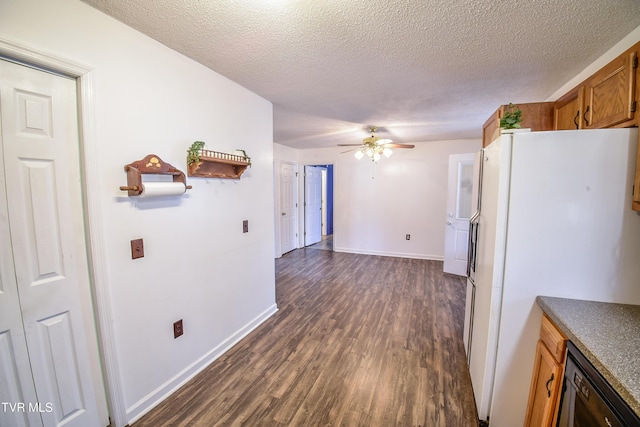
[459,210]
[288,207]
[312,205]
[48,344]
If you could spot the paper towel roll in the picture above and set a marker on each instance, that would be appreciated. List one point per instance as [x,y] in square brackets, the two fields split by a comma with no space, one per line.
[158,189]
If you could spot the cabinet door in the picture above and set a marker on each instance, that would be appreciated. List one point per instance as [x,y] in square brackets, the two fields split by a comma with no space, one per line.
[567,110]
[545,386]
[610,93]
[490,128]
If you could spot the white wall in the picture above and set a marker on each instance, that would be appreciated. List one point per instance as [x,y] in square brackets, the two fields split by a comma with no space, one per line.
[150,99]
[407,195]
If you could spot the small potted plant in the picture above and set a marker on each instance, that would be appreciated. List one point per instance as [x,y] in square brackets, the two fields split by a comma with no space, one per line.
[193,153]
[511,118]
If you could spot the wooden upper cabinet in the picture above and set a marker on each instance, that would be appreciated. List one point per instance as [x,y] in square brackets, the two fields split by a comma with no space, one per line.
[610,93]
[567,111]
[536,116]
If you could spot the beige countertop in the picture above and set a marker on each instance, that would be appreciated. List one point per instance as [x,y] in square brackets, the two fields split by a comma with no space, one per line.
[608,335]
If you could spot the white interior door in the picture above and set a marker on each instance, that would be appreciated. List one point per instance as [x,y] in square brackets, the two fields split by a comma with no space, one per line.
[48,347]
[288,207]
[312,205]
[459,210]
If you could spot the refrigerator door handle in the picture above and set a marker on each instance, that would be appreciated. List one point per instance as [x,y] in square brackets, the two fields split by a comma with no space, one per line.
[472,246]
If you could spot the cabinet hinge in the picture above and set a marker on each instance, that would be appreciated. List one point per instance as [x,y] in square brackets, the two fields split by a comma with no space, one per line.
[633,106]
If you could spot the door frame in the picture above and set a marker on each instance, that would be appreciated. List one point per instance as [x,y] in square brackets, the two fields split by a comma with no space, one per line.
[453,193]
[94,230]
[302,192]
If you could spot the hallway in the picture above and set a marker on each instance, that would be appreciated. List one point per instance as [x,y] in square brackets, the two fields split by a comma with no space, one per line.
[358,340]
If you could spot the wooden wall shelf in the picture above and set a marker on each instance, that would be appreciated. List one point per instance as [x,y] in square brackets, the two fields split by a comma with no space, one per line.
[214,164]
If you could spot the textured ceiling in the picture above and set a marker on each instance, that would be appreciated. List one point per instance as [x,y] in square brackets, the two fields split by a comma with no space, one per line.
[422,70]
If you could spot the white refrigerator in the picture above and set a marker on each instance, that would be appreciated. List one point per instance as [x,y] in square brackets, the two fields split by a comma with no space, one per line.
[555,219]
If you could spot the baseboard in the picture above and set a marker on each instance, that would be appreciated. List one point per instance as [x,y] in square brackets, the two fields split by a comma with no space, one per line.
[391,254]
[154,398]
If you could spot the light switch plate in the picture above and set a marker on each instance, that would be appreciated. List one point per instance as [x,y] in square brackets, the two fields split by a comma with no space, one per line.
[245,226]
[137,249]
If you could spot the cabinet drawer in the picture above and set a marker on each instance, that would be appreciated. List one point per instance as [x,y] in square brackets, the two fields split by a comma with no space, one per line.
[553,338]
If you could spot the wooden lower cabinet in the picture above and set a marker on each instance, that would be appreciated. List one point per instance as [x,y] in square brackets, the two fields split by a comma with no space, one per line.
[548,371]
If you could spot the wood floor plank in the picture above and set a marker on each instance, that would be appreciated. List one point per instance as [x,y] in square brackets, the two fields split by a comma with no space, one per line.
[358,340]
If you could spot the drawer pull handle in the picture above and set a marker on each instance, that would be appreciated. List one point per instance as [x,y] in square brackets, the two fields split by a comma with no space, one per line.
[547,385]
[575,120]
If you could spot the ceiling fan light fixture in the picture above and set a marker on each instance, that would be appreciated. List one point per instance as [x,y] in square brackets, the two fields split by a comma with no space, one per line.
[375,147]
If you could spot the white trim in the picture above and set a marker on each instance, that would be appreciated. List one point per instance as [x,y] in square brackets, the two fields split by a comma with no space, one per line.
[152,399]
[277,203]
[20,53]
[390,254]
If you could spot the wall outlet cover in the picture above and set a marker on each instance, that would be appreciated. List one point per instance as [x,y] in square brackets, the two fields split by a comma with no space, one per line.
[177,329]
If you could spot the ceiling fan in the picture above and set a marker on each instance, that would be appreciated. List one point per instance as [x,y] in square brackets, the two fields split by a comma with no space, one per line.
[374,146]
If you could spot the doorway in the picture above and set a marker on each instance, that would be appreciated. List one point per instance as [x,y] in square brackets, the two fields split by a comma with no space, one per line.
[459,211]
[49,341]
[318,224]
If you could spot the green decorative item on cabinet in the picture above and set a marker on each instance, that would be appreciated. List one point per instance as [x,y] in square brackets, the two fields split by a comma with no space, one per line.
[511,118]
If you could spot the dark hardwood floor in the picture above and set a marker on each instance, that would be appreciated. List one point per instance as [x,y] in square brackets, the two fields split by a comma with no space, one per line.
[358,340]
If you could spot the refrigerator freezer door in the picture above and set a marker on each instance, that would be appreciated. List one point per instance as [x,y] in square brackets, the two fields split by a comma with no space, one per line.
[489,262]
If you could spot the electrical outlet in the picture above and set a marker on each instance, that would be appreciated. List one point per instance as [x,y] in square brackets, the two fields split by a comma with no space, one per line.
[177,329]
[245,226]
[137,249]
[408,237]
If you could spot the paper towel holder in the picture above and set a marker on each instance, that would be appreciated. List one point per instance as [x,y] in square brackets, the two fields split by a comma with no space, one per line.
[151,164]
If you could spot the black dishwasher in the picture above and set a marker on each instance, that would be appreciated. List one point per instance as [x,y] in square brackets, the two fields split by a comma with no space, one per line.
[588,399]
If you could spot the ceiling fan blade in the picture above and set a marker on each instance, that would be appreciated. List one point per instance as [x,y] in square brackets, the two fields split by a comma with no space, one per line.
[399,145]
[348,151]
[349,145]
